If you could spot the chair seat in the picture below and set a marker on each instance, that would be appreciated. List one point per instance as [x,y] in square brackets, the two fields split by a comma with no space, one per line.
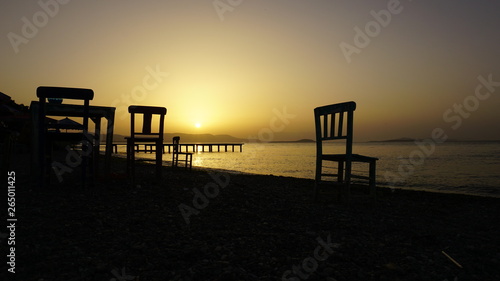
[343,157]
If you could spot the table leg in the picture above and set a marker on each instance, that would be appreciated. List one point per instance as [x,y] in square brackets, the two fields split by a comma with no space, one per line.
[109,143]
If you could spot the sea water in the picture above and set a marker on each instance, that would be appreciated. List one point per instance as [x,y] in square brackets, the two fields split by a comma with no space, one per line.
[457,167]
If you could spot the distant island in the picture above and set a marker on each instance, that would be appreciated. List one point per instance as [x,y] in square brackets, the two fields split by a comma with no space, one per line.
[396,140]
[296,141]
[448,140]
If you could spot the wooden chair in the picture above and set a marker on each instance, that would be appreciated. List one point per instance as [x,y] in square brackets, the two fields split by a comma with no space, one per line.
[49,133]
[145,135]
[335,122]
[176,151]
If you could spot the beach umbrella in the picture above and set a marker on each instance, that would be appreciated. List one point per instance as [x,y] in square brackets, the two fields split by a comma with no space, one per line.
[69,124]
[50,121]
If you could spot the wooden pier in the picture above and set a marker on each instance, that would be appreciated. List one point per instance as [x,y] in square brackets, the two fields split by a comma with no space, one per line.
[185,147]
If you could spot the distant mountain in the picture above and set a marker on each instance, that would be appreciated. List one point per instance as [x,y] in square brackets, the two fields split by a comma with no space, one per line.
[191,138]
[448,140]
[204,138]
[295,141]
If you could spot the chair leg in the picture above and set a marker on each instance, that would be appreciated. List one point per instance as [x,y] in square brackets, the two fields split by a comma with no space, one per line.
[84,167]
[347,183]
[317,178]
[42,165]
[128,157]
[316,190]
[92,168]
[340,170]
[174,159]
[92,160]
[159,155]
[131,160]
[47,162]
[88,156]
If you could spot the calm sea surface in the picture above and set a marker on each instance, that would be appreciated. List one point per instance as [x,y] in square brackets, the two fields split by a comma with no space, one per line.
[458,167]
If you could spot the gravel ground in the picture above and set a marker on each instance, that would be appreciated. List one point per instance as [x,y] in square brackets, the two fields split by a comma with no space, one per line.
[219,225]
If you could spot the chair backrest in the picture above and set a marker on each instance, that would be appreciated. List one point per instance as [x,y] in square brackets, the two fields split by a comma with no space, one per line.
[147,113]
[334,122]
[175,142]
[44,93]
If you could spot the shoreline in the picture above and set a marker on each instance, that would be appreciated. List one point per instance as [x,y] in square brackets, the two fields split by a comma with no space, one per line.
[167,163]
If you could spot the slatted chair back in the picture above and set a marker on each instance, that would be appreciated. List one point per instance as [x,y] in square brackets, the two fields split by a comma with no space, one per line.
[175,144]
[334,122]
[147,113]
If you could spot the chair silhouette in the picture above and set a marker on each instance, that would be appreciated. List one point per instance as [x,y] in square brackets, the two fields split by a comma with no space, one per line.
[188,159]
[49,133]
[145,135]
[335,122]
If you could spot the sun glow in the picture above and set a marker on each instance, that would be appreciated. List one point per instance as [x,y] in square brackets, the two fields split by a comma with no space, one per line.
[197,125]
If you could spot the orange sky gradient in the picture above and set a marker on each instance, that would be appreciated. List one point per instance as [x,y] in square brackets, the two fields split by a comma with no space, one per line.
[229,68]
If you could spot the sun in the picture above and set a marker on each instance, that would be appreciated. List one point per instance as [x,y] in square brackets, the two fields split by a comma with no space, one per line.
[197,125]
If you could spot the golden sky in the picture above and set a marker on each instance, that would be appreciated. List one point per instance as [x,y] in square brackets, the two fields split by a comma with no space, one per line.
[230,65]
